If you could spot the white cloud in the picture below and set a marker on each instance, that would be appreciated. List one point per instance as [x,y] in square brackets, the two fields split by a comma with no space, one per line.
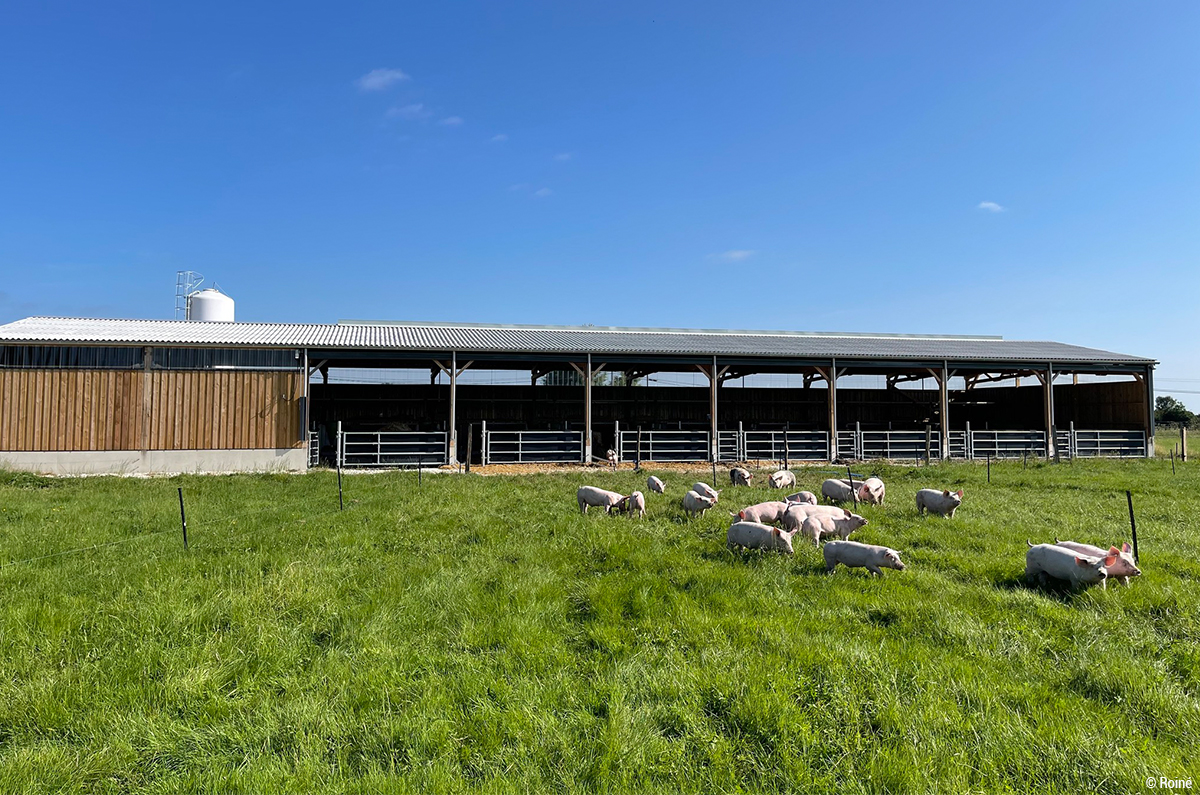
[499,138]
[562,157]
[452,121]
[991,207]
[734,255]
[542,193]
[414,112]
[379,79]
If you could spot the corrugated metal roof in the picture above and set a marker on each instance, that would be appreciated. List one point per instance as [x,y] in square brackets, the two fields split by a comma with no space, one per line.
[548,339]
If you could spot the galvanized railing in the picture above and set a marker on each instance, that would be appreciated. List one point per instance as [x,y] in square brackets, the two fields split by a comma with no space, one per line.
[898,444]
[1007,444]
[665,446]
[789,445]
[314,449]
[729,446]
[1109,444]
[532,447]
[380,449]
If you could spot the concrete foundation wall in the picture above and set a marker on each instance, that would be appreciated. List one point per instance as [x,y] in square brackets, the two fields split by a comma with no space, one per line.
[131,462]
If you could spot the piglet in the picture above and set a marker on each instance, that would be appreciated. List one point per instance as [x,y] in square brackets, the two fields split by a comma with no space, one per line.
[818,526]
[701,487]
[591,496]
[803,497]
[763,512]
[752,535]
[634,503]
[739,476]
[1123,567]
[836,490]
[1059,563]
[871,491]
[855,555]
[656,485]
[783,479]
[943,503]
[696,504]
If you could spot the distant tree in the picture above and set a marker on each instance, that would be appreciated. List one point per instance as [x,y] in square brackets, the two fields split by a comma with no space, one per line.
[1168,410]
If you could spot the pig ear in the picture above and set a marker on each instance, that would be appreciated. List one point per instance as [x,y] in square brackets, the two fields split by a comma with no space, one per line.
[848,514]
[775,531]
[1080,561]
[960,494]
[1114,551]
[945,494]
[1110,560]
[1126,548]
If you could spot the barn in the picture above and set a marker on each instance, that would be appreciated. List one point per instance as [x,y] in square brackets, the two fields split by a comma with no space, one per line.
[82,395]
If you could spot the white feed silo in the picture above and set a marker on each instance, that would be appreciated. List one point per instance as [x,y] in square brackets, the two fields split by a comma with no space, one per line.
[210,305]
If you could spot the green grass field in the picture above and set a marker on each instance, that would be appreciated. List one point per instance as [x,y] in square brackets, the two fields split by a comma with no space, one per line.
[478,634]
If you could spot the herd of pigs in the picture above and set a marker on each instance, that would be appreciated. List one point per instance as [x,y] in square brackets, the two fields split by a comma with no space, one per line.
[773,525]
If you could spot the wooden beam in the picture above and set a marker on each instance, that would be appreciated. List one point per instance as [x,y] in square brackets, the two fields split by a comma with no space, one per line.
[587,412]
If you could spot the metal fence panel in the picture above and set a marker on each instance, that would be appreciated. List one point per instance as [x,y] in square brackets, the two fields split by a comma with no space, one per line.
[1114,444]
[847,444]
[314,449]
[898,444]
[533,447]
[1007,444]
[794,445]
[958,444]
[393,448]
[665,446]
[729,446]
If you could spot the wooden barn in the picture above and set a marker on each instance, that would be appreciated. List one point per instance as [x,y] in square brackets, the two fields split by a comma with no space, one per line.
[81,395]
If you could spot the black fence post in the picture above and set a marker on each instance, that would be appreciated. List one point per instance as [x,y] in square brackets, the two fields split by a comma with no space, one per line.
[1132,526]
[989,466]
[183,519]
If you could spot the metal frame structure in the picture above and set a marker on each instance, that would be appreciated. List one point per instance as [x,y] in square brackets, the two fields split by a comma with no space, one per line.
[454,348]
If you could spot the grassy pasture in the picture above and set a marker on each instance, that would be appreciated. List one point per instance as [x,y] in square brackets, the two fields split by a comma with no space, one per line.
[478,634]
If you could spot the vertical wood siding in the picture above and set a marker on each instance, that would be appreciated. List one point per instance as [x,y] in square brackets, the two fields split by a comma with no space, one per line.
[62,410]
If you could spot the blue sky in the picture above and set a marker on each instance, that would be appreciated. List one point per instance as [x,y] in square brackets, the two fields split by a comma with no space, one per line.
[1025,169]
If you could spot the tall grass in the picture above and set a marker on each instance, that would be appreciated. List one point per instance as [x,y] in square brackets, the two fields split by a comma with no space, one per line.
[478,634]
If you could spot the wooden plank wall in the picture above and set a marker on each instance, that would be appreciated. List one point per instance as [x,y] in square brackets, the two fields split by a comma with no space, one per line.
[62,410]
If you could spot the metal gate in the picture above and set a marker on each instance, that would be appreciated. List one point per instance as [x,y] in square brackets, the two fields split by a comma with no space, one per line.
[314,449]
[379,449]
[898,444]
[1007,444]
[792,445]
[532,447]
[665,446]
[729,446]
[1114,444]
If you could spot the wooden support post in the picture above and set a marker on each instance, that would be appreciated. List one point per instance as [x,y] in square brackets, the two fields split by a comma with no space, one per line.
[453,409]
[832,381]
[713,380]
[944,384]
[1150,412]
[587,412]
[1048,386]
